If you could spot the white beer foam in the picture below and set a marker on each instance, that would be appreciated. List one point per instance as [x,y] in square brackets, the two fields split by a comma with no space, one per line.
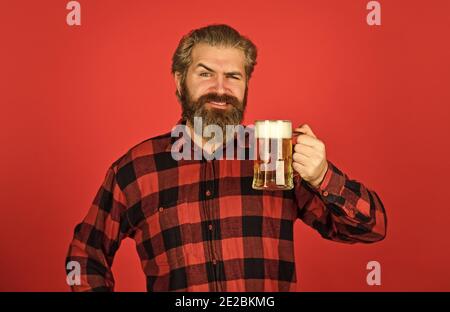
[273,129]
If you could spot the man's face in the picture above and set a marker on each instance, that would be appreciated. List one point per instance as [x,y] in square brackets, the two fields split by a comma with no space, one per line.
[215,87]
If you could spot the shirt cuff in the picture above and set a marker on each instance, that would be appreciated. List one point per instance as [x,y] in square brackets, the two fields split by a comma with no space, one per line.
[333,181]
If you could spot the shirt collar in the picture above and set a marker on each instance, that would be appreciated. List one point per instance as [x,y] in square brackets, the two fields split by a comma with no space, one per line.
[178,141]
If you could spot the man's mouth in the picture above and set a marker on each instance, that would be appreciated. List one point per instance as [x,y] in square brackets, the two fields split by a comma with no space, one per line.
[218,105]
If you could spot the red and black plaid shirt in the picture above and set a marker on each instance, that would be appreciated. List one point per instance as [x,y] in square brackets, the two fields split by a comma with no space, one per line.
[199,226]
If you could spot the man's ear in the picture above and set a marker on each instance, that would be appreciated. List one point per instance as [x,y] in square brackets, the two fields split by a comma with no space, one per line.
[177,79]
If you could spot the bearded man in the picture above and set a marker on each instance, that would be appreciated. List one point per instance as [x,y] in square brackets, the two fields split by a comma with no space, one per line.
[198,224]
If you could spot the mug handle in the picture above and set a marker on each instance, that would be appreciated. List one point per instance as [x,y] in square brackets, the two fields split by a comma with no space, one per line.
[295,134]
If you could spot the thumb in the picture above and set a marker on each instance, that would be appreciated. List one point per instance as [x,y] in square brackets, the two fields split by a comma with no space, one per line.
[306,129]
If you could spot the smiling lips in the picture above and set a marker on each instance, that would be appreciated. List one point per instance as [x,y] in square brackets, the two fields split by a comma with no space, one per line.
[218,105]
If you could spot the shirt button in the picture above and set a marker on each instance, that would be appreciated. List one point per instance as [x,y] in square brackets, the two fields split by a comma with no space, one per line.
[208,193]
[161,209]
[214,261]
[325,193]
[210,227]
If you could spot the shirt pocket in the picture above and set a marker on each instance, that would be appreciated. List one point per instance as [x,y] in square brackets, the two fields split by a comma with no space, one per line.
[172,236]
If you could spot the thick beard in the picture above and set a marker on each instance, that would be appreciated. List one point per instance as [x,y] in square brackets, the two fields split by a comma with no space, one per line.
[232,116]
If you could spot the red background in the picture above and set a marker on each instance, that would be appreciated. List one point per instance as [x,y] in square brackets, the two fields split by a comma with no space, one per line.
[74,99]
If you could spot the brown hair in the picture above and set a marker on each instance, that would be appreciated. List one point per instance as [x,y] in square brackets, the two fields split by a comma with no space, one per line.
[214,35]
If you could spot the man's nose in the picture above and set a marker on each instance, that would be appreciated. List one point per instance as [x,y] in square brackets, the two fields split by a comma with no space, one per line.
[220,84]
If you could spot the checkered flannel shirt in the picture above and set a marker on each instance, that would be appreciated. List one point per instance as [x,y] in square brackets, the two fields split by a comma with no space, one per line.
[200,226]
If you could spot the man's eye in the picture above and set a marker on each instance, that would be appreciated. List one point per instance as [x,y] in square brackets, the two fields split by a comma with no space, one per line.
[205,74]
[234,77]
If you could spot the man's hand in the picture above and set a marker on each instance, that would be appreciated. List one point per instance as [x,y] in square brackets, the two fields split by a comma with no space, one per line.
[309,158]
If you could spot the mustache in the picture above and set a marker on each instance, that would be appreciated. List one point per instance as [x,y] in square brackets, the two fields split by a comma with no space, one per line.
[215,97]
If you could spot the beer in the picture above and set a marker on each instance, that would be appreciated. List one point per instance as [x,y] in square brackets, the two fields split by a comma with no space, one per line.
[273,160]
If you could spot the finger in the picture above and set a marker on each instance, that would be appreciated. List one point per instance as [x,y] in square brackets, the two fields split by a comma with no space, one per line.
[304,149]
[300,158]
[305,128]
[298,167]
[306,139]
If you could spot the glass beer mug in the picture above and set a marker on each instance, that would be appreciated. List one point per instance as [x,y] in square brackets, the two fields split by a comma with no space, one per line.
[273,160]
